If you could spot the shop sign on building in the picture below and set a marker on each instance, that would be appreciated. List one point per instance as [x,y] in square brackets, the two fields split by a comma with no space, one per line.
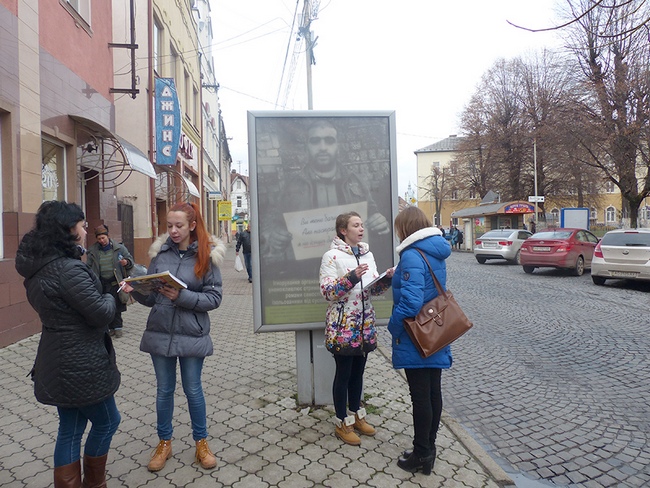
[168,121]
[225,210]
[519,208]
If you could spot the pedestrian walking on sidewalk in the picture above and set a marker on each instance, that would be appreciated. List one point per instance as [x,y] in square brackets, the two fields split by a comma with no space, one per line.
[244,243]
[178,327]
[75,368]
[412,288]
[111,261]
[350,332]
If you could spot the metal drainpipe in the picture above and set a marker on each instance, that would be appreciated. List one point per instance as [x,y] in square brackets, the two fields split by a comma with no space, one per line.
[150,101]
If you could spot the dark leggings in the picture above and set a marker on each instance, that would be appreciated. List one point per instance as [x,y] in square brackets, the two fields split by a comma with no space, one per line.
[348,383]
[426,397]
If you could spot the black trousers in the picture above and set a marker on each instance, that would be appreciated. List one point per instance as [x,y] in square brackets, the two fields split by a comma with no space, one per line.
[348,383]
[112,287]
[426,397]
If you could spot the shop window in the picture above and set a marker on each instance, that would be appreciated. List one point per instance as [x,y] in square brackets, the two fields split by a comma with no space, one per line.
[53,171]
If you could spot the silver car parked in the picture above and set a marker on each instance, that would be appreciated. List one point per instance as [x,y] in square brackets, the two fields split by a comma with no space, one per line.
[622,254]
[500,244]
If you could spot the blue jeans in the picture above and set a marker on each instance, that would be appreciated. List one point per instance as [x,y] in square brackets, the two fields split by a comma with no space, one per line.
[247,262]
[104,418]
[165,369]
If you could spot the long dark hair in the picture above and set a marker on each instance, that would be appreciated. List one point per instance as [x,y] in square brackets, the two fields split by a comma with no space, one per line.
[53,223]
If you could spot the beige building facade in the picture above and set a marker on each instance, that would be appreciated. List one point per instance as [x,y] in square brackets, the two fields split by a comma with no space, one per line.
[605,207]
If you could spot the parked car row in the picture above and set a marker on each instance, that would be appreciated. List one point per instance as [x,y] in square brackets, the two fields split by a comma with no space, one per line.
[620,254]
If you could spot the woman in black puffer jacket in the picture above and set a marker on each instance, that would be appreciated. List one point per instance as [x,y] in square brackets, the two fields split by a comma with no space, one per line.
[75,367]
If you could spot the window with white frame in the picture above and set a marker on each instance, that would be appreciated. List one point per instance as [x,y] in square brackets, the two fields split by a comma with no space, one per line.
[173,63]
[81,8]
[238,185]
[188,96]
[593,213]
[195,105]
[435,166]
[238,202]
[454,194]
[610,214]
[157,46]
[610,187]
[472,192]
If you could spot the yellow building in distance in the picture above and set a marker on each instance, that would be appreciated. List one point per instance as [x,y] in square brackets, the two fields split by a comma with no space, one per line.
[436,194]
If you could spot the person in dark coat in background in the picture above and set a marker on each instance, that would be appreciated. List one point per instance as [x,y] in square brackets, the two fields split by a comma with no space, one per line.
[244,243]
[178,327]
[75,368]
[413,286]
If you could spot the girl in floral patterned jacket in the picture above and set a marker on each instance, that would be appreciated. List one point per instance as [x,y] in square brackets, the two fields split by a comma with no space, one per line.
[350,331]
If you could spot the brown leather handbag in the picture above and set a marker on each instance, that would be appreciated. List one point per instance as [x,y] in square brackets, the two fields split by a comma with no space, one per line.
[439,323]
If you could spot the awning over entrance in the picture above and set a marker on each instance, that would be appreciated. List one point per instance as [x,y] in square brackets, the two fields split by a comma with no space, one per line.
[105,155]
[191,187]
[174,187]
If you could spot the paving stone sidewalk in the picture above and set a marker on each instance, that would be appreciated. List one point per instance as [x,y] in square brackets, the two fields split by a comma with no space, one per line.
[260,436]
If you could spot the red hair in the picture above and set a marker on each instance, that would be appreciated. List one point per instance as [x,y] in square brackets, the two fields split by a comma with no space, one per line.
[199,234]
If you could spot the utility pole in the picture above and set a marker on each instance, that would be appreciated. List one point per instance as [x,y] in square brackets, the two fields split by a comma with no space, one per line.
[535,173]
[309,13]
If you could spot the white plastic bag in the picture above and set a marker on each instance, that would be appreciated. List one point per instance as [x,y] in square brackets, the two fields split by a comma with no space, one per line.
[238,264]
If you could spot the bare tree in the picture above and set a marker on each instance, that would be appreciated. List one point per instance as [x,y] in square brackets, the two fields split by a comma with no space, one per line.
[435,189]
[611,120]
[616,8]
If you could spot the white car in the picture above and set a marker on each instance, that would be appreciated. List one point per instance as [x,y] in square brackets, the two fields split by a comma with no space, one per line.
[622,254]
[500,244]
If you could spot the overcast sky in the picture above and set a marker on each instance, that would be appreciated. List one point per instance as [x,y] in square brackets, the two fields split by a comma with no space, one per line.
[420,58]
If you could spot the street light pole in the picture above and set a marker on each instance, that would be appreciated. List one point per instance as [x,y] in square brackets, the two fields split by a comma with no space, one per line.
[535,173]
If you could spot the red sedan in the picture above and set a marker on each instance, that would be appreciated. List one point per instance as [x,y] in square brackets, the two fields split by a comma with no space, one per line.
[571,249]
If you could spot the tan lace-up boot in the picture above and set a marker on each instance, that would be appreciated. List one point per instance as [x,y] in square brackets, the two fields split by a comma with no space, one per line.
[345,431]
[204,455]
[160,456]
[360,423]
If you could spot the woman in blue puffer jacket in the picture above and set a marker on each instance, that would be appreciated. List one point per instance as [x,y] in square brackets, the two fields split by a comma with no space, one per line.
[412,288]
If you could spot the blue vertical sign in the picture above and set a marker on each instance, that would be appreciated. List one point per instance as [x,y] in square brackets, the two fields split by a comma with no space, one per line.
[168,121]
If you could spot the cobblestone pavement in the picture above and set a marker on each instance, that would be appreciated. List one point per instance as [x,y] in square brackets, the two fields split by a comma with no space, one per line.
[554,378]
[260,436]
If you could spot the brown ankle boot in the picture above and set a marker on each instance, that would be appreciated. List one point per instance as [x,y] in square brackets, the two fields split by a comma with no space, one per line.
[68,476]
[204,455]
[360,423]
[345,431]
[94,472]
[162,453]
